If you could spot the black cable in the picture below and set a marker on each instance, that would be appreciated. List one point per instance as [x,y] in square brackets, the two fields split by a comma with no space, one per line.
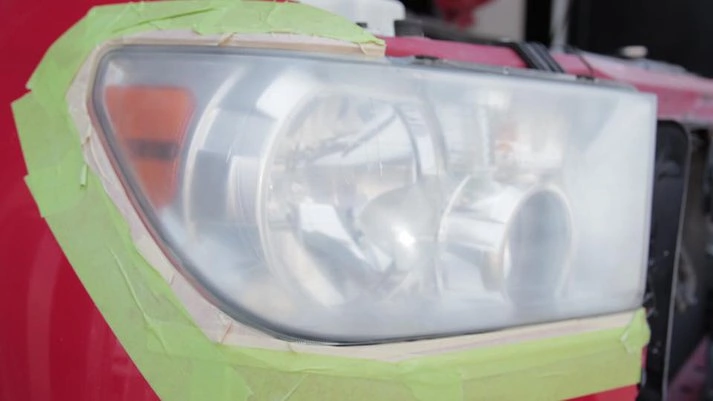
[580,55]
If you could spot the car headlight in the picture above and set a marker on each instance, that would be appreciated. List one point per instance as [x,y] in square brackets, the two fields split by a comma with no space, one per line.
[349,201]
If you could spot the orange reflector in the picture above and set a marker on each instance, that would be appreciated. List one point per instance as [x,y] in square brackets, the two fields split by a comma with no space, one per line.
[150,123]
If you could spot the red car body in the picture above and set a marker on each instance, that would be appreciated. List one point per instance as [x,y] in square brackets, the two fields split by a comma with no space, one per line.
[54,343]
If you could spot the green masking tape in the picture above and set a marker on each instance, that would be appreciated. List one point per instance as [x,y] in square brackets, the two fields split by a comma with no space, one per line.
[176,358]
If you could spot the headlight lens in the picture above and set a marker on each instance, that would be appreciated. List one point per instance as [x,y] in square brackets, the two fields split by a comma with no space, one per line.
[356,201]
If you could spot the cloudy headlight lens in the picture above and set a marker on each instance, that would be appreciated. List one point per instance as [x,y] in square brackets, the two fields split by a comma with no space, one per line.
[353,201]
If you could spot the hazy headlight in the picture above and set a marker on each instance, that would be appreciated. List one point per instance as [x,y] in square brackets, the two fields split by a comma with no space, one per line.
[344,200]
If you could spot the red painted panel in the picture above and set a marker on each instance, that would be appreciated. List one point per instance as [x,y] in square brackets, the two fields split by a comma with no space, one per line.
[620,394]
[453,51]
[54,344]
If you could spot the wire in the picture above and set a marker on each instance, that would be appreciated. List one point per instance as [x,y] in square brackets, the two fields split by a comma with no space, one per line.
[580,55]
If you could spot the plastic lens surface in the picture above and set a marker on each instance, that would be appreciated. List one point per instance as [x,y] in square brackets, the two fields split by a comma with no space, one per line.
[353,201]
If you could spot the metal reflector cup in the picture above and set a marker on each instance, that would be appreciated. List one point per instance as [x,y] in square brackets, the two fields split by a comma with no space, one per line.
[520,238]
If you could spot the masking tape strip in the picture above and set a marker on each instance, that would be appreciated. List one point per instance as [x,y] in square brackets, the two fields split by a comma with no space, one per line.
[175,357]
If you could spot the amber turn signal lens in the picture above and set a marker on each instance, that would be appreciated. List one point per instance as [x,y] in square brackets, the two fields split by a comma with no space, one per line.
[151,123]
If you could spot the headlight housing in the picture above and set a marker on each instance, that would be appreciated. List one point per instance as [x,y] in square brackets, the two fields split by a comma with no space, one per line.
[348,201]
